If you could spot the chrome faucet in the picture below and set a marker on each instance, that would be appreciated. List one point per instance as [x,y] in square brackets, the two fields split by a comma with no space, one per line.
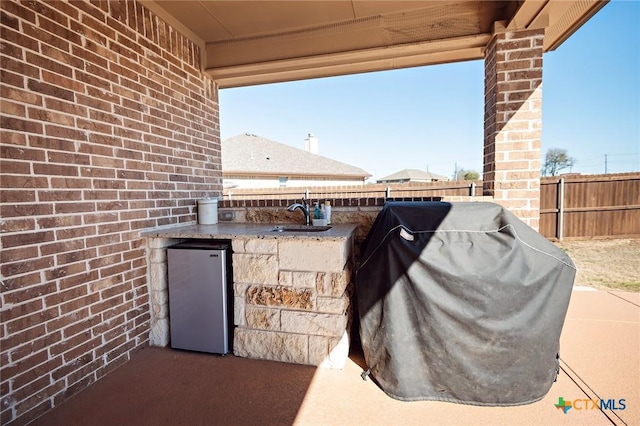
[304,207]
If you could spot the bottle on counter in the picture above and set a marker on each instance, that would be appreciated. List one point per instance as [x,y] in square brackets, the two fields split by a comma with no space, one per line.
[327,211]
[316,213]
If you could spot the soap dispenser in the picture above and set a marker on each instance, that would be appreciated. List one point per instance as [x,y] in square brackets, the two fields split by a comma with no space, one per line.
[327,211]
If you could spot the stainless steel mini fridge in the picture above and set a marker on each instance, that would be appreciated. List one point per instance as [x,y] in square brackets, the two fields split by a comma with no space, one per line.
[199,302]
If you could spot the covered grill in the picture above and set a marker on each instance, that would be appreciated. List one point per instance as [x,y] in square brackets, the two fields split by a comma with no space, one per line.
[461,302]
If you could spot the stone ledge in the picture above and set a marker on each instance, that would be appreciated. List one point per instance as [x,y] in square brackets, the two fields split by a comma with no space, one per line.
[274,346]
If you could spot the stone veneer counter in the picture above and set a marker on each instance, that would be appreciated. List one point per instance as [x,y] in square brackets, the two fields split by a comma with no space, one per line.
[292,290]
[229,231]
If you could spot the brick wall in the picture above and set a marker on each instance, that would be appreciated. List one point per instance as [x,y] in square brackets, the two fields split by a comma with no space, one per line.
[513,122]
[108,128]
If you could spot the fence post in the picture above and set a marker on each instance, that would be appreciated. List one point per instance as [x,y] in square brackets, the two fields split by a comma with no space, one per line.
[388,194]
[306,194]
[472,189]
[561,210]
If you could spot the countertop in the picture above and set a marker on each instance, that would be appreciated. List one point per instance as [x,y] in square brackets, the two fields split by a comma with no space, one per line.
[247,230]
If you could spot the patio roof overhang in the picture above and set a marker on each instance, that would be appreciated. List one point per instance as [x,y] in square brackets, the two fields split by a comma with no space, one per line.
[254,42]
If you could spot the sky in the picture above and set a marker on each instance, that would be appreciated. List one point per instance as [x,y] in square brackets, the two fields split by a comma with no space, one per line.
[431,118]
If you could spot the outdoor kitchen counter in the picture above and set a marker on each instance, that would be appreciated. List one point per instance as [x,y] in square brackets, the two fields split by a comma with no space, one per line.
[291,290]
[231,231]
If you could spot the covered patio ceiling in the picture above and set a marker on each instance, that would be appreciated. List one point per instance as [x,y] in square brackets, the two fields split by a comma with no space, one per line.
[254,42]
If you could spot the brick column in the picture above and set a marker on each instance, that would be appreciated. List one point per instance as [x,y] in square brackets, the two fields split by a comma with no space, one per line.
[513,121]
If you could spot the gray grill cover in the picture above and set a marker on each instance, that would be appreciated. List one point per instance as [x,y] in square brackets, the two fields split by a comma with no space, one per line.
[461,302]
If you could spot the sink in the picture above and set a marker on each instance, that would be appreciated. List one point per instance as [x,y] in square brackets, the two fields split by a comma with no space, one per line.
[300,228]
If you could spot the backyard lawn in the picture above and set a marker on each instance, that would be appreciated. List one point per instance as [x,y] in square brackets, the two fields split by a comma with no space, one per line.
[606,263]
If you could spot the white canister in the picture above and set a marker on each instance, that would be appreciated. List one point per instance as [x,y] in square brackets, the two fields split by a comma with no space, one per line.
[207,211]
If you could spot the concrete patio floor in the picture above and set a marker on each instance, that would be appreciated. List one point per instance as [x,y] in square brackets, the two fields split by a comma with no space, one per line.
[600,347]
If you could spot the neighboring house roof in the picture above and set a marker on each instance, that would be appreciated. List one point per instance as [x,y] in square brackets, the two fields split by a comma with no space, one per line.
[408,175]
[251,154]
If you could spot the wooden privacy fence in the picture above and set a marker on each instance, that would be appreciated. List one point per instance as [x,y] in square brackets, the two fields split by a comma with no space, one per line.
[582,206]
[391,190]
[571,206]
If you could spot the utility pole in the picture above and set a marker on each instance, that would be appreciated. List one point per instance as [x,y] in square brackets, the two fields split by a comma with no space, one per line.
[605,164]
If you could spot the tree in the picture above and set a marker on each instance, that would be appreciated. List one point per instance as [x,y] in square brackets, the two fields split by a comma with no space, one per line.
[462,174]
[555,160]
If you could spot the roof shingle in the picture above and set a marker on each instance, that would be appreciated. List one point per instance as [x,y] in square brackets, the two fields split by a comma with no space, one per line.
[248,153]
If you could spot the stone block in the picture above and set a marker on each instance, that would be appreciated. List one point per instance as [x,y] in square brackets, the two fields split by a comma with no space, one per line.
[304,279]
[158,255]
[261,246]
[312,323]
[158,243]
[318,349]
[237,246]
[332,305]
[280,296]
[255,268]
[262,318]
[329,352]
[159,297]
[285,278]
[240,289]
[271,345]
[239,317]
[338,352]
[312,255]
[158,276]
[159,333]
[333,284]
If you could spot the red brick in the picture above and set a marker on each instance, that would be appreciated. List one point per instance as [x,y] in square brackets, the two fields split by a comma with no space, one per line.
[63,271]
[49,143]
[20,95]
[43,341]
[18,167]
[65,319]
[17,196]
[18,10]
[14,41]
[20,125]
[26,370]
[54,169]
[76,280]
[31,320]
[78,304]
[75,256]
[16,339]
[50,90]
[35,407]
[76,232]
[16,311]
[84,352]
[12,79]
[65,132]
[92,102]
[71,342]
[107,306]
[66,107]
[115,269]
[81,326]
[69,183]
[26,238]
